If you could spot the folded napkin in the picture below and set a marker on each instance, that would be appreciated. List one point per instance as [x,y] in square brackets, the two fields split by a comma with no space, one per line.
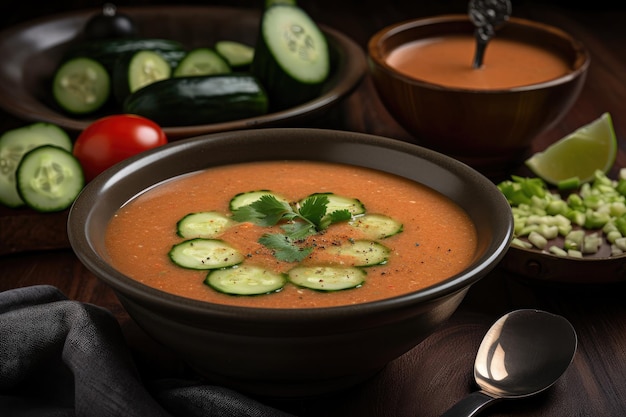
[60,357]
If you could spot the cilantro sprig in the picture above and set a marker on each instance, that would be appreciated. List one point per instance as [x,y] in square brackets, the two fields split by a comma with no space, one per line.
[299,222]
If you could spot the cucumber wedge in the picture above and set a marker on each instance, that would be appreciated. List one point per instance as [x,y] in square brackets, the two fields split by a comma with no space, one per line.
[49,178]
[206,224]
[14,144]
[327,278]
[291,58]
[205,254]
[245,280]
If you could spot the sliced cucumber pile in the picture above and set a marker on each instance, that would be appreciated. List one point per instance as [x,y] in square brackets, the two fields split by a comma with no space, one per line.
[46,181]
[230,272]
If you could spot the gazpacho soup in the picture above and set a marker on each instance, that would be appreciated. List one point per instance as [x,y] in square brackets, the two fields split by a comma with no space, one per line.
[447,61]
[290,234]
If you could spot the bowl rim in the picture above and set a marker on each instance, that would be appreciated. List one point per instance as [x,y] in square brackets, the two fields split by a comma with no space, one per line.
[80,215]
[351,69]
[376,57]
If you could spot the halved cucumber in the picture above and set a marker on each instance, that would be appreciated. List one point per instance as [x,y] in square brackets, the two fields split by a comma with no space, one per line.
[202,253]
[376,226]
[245,280]
[291,56]
[49,178]
[249,197]
[14,144]
[339,202]
[327,278]
[206,224]
[202,61]
[81,85]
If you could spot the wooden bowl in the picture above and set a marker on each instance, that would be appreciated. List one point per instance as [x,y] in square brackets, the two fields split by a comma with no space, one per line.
[31,52]
[490,129]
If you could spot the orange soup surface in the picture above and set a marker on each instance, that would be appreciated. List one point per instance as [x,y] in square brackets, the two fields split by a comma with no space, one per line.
[447,61]
[437,241]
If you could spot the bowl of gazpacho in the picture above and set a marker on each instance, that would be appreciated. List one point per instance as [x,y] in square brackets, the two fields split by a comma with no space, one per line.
[531,75]
[290,262]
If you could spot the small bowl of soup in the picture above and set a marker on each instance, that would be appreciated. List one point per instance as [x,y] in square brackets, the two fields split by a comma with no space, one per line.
[290,262]
[531,75]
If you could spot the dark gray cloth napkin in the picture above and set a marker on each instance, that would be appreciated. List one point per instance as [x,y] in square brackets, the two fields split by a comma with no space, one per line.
[60,357]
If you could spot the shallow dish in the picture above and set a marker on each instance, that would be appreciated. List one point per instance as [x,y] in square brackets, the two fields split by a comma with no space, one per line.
[281,352]
[31,51]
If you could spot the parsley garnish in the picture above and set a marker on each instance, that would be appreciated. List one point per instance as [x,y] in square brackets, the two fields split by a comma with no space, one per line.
[300,221]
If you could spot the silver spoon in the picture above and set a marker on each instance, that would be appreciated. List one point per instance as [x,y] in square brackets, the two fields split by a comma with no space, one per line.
[522,354]
[486,16]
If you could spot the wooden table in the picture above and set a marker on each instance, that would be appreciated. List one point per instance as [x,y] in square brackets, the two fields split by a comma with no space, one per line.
[437,373]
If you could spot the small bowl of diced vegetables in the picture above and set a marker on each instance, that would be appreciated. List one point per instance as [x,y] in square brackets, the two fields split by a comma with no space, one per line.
[190,69]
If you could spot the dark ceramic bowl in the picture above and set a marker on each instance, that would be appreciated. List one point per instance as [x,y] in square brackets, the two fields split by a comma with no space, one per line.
[31,52]
[287,352]
[490,129]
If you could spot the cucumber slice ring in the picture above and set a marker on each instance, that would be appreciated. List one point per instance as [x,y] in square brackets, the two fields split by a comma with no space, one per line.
[81,85]
[327,278]
[205,254]
[49,178]
[245,280]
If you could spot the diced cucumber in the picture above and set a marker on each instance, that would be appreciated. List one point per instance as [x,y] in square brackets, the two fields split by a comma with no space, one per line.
[247,198]
[14,144]
[291,56]
[206,224]
[362,252]
[202,253]
[49,178]
[376,226]
[245,280]
[338,203]
[202,61]
[327,278]
[81,85]
[238,55]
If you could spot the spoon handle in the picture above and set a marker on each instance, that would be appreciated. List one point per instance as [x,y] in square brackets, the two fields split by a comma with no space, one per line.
[470,405]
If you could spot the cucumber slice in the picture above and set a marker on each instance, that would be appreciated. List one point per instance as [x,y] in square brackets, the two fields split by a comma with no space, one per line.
[270,3]
[245,280]
[49,178]
[81,85]
[291,57]
[362,252]
[376,226]
[247,198]
[202,61]
[327,278]
[205,254]
[338,202]
[207,224]
[14,144]
[238,55]
[135,70]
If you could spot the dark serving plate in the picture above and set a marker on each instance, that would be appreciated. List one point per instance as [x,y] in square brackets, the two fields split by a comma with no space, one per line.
[31,52]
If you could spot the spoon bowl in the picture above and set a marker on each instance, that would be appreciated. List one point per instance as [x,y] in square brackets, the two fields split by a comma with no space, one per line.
[523,353]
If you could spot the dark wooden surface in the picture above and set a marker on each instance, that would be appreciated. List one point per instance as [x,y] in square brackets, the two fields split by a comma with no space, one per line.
[437,373]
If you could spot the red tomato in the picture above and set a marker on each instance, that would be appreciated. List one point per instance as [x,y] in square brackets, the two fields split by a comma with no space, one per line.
[112,139]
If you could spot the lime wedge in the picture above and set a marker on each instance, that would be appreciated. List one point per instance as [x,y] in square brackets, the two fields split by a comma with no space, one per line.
[580,154]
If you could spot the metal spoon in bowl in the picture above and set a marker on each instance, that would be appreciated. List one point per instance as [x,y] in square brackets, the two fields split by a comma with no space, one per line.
[486,16]
[522,354]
